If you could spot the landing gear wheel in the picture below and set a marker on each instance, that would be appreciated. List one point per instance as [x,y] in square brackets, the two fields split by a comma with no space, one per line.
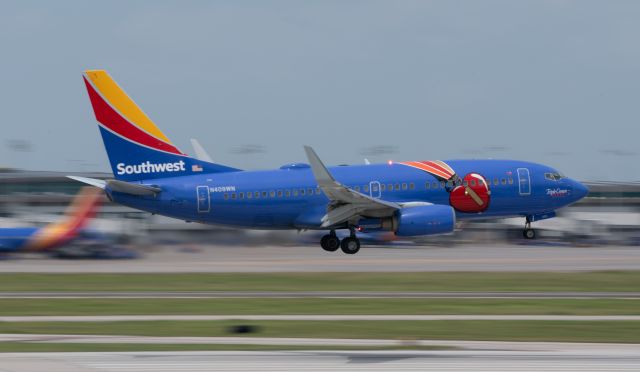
[350,245]
[330,243]
[529,233]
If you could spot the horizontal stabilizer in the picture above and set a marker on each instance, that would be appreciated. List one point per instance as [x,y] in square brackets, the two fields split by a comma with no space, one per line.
[132,188]
[90,181]
[119,186]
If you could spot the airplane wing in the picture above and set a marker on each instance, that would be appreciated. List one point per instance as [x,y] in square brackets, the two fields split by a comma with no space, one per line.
[346,204]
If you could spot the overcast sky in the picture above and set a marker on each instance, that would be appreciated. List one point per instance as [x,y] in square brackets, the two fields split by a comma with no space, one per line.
[556,82]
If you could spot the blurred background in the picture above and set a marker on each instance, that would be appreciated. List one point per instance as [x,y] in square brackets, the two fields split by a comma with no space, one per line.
[554,82]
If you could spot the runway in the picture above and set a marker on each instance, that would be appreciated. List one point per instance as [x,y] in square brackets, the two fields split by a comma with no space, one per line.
[312,317]
[360,342]
[319,294]
[313,259]
[455,360]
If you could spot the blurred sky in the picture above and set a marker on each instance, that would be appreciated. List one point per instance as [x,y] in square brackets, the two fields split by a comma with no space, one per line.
[556,82]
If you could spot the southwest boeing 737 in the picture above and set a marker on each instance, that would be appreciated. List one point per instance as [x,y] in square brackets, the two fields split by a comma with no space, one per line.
[410,198]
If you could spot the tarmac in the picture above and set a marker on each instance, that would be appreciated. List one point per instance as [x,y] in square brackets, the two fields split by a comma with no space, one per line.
[572,359]
[181,259]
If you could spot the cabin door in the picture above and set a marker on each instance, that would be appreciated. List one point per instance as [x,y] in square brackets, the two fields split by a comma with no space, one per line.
[524,181]
[204,201]
[374,189]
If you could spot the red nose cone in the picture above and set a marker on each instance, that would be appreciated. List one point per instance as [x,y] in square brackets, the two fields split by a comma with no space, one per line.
[474,197]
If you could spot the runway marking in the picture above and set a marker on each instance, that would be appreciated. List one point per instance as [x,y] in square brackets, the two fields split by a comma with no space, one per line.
[458,360]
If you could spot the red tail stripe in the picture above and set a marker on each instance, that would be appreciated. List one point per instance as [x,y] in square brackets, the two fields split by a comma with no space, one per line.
[106,115]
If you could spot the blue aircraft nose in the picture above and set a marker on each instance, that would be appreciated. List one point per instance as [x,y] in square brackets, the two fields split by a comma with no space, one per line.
[579,190]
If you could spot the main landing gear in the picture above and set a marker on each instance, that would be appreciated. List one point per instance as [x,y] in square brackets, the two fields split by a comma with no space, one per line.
[349,245]
[528,232]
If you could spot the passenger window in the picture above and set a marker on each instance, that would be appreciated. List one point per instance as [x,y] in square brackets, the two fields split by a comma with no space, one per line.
[264,194]
[318,191]
[302,191]
[397,186]
[503,181]
[241,195]
[450,183]
[226,196]
[427,185]
[458,182]
[411,186]
[435,185]
[442,184]
[249,195]
[287,193]
[510,181]
[233,195]
[365,188]
[480,183]
[390,187]
[272,194]
[473,183]
[404,186]
[279,193]
[310,192]
[495,182]
[256,194]
[465,183]
[383,187]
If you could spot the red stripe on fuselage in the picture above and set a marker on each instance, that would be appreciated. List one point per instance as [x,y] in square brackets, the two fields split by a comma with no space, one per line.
[428,168]
[108,117]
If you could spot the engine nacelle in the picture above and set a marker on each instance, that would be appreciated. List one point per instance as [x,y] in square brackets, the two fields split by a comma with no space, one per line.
[424,220]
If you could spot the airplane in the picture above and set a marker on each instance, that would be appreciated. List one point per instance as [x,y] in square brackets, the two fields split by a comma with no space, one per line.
[55,234]
[408,198]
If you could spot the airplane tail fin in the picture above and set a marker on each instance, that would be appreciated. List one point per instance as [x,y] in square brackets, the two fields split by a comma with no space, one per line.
[81,210]
[136,147]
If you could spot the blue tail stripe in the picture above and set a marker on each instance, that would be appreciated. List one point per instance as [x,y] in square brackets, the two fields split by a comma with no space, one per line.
[134,162]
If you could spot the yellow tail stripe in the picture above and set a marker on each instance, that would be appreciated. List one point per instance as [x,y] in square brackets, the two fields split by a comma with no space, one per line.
[117,97]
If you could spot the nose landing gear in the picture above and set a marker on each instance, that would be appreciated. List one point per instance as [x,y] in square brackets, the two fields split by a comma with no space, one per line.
[528,232]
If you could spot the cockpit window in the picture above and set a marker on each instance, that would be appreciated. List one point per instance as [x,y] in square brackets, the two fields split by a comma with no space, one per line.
[555,176]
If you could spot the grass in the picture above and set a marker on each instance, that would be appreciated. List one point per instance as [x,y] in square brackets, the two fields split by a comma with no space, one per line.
[556,331]
[619,281]
[269,306]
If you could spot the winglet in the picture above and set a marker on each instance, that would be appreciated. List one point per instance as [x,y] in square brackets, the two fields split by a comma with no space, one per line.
[201,153]
[320,172]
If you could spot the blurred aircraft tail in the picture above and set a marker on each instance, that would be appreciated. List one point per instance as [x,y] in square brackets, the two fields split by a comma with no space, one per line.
[81,210]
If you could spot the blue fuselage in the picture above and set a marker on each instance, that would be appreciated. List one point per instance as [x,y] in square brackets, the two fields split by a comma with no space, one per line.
[289,198]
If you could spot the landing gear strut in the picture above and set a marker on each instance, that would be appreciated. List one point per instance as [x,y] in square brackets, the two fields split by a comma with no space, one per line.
[528,232]
[330,242]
